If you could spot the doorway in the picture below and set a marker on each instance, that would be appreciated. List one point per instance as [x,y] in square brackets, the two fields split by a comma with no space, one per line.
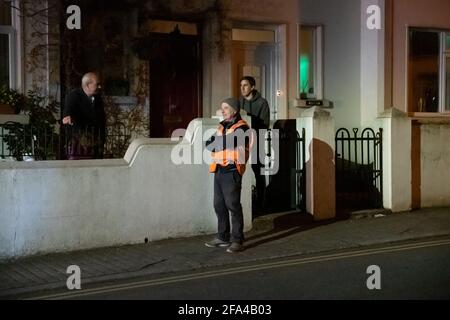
[175,82]
[259,60]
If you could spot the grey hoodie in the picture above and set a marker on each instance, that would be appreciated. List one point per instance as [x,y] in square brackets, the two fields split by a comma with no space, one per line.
[258,109]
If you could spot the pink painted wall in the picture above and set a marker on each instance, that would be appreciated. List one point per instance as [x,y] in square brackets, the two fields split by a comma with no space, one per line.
[413,13]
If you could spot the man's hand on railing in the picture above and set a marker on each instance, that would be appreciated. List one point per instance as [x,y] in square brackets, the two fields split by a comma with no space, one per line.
[67,120]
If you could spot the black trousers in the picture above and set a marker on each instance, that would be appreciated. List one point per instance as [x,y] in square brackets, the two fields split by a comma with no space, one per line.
[227,201]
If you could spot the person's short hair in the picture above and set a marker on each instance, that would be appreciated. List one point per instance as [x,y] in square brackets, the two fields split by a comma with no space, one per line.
[87,78]
[250,80]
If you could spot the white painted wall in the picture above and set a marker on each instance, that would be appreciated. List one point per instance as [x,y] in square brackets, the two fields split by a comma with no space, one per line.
[319,158]
[435,161]
[342,54]
[71,205]
[396,159]
[372,64]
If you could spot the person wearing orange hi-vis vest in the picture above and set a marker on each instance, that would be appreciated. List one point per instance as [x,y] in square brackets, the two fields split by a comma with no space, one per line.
[230,147]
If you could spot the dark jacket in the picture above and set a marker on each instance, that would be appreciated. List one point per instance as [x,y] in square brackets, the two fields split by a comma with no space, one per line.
[258,109]
[84,112]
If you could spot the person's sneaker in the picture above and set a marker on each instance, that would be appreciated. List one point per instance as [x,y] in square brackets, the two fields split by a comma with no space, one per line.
[235,247]
[217,243]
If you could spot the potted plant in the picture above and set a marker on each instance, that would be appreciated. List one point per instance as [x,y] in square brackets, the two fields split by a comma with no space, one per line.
[38,138]
[11,101]
[303,93]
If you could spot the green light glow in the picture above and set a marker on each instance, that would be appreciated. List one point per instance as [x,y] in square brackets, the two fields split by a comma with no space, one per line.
[304,73]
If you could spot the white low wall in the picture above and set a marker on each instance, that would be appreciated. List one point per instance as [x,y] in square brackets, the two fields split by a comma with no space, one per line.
[435,164]
[55,206]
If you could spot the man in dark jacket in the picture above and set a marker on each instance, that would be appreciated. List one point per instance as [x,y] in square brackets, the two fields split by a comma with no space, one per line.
[258,109]
[85,116]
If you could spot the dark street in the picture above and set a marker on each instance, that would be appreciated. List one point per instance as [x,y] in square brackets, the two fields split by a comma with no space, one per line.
[410,270]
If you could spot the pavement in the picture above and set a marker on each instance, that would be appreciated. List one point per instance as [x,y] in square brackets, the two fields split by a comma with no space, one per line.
[273,236]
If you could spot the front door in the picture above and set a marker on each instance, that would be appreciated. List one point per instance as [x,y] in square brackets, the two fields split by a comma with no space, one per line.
[175,78]
[257,60]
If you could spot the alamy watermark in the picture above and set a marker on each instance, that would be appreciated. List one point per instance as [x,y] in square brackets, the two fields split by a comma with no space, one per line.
[373,21]
[374,281]
[264,150]
[74,20]
[74,280]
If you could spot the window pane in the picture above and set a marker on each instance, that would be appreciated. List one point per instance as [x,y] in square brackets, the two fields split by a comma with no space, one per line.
[448,41]
[4,59]
[447,85]
[306,62]
[424,53]
[5,13]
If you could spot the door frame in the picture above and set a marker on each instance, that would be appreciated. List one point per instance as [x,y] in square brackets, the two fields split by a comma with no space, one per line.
[272,75]
[280,76]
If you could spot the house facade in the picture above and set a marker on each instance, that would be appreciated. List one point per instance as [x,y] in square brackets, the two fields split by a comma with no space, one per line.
[196,52]
[400,61]
[348,71]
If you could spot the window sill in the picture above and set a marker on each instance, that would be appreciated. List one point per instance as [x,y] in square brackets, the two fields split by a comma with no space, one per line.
[130,100]
[308,103]
[430,117]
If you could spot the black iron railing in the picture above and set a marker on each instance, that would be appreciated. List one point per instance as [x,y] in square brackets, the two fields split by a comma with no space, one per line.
[24,142]
[287,188]
[359,169]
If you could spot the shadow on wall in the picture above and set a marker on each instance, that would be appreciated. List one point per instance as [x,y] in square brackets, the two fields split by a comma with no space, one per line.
[321,187]
[288,190]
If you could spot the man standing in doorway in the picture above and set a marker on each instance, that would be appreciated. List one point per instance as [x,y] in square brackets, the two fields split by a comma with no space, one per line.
[258,109]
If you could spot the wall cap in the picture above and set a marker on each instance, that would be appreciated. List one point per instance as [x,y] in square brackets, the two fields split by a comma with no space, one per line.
[392,113]
[315,112]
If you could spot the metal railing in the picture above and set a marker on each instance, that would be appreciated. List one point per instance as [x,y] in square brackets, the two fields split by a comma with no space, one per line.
[287,188]
[22,142]
[359,169]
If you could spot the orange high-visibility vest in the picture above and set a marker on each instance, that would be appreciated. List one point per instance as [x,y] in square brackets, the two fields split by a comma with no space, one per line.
[238,155]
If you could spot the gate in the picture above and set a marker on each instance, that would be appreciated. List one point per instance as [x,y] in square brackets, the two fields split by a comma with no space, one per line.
[359,169]
[286,190]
